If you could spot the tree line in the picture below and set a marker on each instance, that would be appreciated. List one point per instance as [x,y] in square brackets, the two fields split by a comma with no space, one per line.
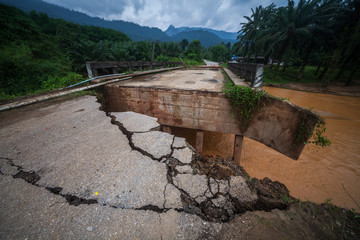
[325,33]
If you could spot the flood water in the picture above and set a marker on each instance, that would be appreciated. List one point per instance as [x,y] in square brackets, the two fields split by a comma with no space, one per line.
[320,173]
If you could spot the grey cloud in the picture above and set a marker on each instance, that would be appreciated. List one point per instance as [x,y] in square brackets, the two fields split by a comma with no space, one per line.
[221,15]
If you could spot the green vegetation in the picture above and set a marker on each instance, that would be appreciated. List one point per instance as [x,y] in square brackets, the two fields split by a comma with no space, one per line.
[305,134]
[219,53]
[320,33]
[290,75]
[244,102]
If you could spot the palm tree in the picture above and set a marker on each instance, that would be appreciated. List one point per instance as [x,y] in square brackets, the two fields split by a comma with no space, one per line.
[86,51]
[250,32]
[346,53]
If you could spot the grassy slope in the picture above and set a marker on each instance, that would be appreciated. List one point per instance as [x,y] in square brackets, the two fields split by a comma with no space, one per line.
[291,73]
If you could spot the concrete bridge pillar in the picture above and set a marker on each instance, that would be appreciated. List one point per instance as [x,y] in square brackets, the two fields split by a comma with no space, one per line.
[237,148]
[199,141]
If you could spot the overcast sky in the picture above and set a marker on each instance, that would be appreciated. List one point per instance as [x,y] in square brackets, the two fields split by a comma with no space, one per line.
[217,14]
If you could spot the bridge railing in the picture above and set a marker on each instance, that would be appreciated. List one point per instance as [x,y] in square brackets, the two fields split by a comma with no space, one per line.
[251,72]
[95,69]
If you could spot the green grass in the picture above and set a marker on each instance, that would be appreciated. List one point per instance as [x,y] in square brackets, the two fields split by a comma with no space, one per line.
[224,65]
[290,75]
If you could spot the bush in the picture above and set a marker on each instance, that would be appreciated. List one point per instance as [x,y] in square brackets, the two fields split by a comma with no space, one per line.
[55,82]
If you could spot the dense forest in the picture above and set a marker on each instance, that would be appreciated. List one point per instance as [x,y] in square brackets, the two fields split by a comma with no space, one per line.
[39,53]
[322,33]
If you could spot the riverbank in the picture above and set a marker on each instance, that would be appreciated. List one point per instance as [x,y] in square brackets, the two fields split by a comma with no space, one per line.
[69,170]
[336,88]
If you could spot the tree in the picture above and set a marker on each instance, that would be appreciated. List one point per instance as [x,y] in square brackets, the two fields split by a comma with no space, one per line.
[220,53]
[194,50]
[183,44]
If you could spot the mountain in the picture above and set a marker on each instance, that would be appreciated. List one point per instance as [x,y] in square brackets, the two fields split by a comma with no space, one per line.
[224,36]
[133,30]
[171,31]
[207,36]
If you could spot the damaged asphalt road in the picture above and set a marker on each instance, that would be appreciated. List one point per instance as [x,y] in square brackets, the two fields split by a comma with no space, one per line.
[116,175]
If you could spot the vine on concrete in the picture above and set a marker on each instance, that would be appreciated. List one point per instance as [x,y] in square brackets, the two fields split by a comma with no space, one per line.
[245,102]
[317,137]
[305,134]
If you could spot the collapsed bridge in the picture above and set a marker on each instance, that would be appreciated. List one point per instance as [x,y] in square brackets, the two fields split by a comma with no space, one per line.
[194,99]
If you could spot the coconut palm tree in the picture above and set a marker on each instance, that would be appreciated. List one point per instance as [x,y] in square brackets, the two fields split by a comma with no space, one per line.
[250,32]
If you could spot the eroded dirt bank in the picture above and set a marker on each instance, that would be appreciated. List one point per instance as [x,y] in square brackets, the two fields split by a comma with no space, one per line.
[69,170]
[337,88]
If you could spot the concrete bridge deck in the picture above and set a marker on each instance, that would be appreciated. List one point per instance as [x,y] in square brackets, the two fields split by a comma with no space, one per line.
[198,79]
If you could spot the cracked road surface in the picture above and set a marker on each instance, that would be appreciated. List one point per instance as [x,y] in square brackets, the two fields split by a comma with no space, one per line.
[73,171]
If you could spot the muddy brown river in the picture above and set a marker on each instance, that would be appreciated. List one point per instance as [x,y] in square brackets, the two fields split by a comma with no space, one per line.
[320,174]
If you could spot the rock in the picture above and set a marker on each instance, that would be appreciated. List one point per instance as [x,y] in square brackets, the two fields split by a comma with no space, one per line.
[194,185]
[156,143]
[183,155]
[240,190]
[135,122]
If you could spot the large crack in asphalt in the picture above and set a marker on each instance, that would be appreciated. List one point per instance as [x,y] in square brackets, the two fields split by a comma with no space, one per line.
[32,177]
[215,203]
[129,135]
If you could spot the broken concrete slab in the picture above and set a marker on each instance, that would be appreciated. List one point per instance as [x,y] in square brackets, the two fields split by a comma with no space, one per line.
[186,169]
[194,185]
[156,143]
[172,197]
[241,191]
[135,122]
[179,142]
[183,155]
[140,181]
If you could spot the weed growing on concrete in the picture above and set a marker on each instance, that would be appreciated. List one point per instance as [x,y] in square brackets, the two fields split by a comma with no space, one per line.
[318,138]
[244,101]
[306,135]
